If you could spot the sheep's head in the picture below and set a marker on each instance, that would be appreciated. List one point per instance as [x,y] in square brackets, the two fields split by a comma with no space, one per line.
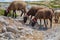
[25,18]
[56,20]
[6,12]
[33,21]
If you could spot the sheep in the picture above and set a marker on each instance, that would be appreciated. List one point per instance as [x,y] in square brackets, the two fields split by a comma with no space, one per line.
[16,5]
[43,14]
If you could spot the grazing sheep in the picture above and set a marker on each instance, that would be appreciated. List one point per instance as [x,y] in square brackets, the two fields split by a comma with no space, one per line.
[43,14]
[32,12]
[57,15]
[16,5]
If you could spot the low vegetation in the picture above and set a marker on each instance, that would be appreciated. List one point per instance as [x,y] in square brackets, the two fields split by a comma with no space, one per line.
[2,13]
[51,4]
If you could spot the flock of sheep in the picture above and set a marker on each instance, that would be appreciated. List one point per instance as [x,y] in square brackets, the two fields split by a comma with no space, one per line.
[36,11]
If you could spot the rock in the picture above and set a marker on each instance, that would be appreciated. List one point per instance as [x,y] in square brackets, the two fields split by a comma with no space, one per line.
[4,29]
[9,34]
[20,28]
[14,29]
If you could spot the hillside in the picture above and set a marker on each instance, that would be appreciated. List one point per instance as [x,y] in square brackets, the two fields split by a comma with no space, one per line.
[13,29]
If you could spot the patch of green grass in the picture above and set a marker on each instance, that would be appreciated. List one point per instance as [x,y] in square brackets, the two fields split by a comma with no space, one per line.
[50,5]
[1,12]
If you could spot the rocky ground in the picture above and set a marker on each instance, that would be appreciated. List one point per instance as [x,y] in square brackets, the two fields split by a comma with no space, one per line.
[15,29]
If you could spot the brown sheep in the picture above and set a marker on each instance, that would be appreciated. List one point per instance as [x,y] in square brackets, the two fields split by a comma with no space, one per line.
[16,5]
[57,15]
[32,12]
[43,14]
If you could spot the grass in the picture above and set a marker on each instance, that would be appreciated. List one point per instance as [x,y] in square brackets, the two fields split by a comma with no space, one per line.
[50,5]
[1,12]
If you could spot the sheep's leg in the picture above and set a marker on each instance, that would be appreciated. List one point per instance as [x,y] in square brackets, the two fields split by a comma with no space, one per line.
[45,23]
[21,13]
[40,22]
[31,17]
[50,22]
[58,18]
[24,11]
[15,14]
